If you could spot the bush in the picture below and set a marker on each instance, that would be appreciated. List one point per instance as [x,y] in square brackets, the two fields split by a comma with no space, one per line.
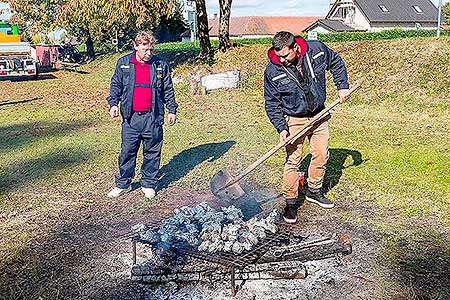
[329,37]
[355,36]
[382,35]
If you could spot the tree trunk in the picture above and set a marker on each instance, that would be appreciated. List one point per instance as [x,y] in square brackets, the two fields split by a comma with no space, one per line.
[202,29]
[89,46]
[224,20]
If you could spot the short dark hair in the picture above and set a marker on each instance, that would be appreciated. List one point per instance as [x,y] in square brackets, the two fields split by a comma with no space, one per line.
[283,39]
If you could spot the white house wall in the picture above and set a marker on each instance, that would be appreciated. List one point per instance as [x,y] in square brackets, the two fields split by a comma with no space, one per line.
[360,21]
[376,27]
[319,29]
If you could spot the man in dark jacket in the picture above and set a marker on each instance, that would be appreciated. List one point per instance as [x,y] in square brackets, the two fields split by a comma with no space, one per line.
[142,84]
[294,92]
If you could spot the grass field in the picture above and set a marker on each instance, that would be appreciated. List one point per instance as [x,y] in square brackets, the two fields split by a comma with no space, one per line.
[389,165]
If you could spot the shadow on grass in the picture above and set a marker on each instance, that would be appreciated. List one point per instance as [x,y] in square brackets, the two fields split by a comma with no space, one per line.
[421,263]
[187,159]
[71,70]
[175,57]
[20,174]
[17,135]
[336,164]
[4,103]
[27,78]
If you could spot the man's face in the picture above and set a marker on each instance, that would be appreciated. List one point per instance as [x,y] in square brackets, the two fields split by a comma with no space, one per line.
[287,55]
[144,51]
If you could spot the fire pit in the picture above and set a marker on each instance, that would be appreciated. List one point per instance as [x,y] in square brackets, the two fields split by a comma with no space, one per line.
[279,255]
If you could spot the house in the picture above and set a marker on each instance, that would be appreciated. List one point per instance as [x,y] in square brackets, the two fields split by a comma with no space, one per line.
[378,15]
[260,26]
[330,25]
[187,36]
[189,16]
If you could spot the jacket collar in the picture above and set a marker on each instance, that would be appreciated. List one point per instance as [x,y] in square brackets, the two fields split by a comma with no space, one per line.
[301,42]
[135,61]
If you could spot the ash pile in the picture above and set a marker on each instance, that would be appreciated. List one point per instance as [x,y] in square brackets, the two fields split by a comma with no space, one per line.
[203,228]
[205,244]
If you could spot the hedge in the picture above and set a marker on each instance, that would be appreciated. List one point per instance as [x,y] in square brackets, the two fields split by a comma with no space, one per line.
[355,36]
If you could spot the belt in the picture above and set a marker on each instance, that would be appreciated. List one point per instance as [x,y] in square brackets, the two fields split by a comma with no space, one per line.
[141,112]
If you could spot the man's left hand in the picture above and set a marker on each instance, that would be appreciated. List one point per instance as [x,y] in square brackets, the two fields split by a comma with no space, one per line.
[344,95]
[172,119]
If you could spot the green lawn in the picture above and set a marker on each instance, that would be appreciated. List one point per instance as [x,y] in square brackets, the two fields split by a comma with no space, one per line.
[389,147]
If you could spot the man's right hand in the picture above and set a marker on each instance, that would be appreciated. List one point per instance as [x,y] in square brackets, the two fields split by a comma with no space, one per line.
[114,111]
[283,136]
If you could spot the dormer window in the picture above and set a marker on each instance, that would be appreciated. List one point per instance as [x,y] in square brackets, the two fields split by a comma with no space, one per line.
[383,8]
[418,9]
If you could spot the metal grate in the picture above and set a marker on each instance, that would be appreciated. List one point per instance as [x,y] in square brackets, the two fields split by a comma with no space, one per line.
[282,237]
[286,233]
[287,244]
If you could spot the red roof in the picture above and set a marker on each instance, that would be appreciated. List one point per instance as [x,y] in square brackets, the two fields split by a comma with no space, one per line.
[262,25]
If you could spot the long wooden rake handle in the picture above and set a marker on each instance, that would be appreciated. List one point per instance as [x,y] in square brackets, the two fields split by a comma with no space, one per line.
[291,139]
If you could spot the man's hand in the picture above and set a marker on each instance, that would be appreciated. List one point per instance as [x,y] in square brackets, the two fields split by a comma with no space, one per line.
[114,111]
[283,136]
[171,118]
[344,95]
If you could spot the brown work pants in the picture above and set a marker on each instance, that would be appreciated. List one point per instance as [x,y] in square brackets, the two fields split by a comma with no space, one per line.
[318,136]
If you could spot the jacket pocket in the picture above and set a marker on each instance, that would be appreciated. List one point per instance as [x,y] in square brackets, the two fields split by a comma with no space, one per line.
[288,93]
[317,95]
[125,77]
[319,70]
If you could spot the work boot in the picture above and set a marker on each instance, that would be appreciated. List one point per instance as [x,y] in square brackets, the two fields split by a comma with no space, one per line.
[317,197]
[116,192]
[290,211]
[149,193]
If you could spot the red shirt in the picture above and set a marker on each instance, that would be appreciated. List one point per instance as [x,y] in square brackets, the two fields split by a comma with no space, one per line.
[142,96]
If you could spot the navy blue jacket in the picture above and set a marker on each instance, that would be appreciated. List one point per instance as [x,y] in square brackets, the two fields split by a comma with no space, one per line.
[123,81]
[286,94]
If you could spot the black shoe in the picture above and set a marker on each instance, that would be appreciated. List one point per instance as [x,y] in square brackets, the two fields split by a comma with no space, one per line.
[318,198]
[290,213]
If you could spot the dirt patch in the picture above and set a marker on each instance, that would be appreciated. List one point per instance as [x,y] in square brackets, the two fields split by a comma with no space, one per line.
[88,256]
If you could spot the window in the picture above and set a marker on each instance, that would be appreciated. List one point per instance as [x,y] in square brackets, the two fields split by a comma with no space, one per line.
[6,30]
[383,8]
[339,14]
[418,9]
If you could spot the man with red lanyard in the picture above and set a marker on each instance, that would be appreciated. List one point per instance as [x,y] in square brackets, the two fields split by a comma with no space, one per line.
[143,85]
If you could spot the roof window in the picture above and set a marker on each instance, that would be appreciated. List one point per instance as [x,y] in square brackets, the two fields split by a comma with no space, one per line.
[383,8]
[418,9]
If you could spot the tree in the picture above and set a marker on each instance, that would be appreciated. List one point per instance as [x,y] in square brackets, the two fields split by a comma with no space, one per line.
[89,20]
[34,16]
[101,20]
[224,27]
[446,12]
[80,18]
[172,26]
[203,30]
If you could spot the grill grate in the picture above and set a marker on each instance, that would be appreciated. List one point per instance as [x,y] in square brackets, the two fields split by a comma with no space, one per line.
[287,238]
[284,235]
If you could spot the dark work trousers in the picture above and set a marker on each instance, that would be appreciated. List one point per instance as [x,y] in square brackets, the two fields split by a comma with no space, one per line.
[141,128]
